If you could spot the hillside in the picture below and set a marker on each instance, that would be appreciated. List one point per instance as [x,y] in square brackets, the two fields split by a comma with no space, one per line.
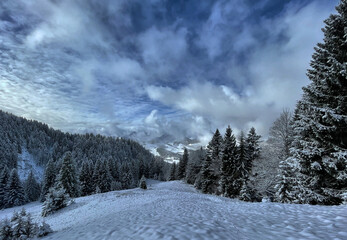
[29,145]
[174,210]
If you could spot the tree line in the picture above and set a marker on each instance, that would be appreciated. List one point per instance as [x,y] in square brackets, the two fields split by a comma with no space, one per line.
[305,158]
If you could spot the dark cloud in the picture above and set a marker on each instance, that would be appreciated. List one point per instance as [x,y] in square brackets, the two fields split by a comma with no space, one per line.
[150,68]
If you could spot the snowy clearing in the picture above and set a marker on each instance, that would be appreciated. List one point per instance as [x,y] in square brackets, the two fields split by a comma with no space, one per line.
[174,210]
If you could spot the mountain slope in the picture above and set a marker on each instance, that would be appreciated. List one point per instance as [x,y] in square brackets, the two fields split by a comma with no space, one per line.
[174,210]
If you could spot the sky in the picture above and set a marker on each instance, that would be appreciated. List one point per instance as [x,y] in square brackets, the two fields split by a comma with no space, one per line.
[156,68]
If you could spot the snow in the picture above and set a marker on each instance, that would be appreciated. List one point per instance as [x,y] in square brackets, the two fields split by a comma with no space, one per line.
[174,210]
[26,163]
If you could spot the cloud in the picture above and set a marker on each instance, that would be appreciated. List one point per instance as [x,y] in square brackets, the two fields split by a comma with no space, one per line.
[153,68]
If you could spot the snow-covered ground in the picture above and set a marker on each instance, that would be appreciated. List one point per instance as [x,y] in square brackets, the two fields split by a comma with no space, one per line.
[174,210]
[26,163]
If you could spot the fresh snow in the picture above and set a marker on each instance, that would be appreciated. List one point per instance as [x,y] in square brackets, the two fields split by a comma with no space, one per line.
[174,210]
[26,163]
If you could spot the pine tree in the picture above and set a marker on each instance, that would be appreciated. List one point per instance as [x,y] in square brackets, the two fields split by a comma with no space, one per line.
[320,120]
[56,199]
[102,177]
[67,177]
[15,195]
[207,177]
[31,188]
[252,146]
[4,176]
[214,151]
[5,230]
[49,179]
[86,179]
[143,184]
[284,187]
[182,165]
[172,176]
[228,164]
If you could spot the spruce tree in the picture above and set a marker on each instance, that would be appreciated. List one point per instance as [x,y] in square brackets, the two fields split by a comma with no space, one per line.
[102,177]
[143,184]
[86,179]
[320,120]
[284,187]
[31,188]
[49,179]
[67,177]
[207,177]
[56,199]
[182,165]
[253,149]
[228,163]
[172,176]
[4,176]
[15,195]
[214,151]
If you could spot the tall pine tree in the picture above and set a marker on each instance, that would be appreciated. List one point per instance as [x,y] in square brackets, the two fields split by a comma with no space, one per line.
[86,179]
[320,120]
[182,165]
[31,188]
[228,163]
[15,195]
[4,177]
[67,177]
[214,151]
[49,179]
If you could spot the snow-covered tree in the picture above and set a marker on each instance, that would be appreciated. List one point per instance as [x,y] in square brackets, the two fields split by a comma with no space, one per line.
[214,151]
[320,119]
[4,176]
[196,159]
[86,179]
[172,175]
[102,177]
[67,177]
[228,163]
[143,184]
[281,134]
[207,177]
[284,188]
[5,230]
[44,229]
[31,188]
[15,195]
[182,165]
[49,179]
[56,199]
[252,146]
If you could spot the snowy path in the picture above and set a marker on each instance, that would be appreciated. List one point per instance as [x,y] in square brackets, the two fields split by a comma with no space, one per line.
[173,210]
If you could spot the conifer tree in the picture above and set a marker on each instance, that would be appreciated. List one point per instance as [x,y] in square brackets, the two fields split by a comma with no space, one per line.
[172,176]
[320,120]
[102,177]
[4,177]
[253,149]
[31,188]
[143,184]
[67,177]
[15,195]
[228,164]
[214,151]
[56,199]
[86,179]
[284,187]
[182,165]
[207,176]
[49,179]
